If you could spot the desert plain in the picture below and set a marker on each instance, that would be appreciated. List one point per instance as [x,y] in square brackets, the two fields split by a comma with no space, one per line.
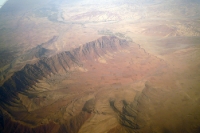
[118,66]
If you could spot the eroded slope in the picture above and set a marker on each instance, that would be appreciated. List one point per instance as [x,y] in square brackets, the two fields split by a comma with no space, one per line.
[91,82]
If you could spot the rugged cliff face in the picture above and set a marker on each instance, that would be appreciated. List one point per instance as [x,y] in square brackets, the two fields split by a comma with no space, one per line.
[58,74]
[62,62]
[71,126]
[107,85]
[30,75]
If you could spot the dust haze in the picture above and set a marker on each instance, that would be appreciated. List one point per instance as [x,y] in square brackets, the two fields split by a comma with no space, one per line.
[110,66]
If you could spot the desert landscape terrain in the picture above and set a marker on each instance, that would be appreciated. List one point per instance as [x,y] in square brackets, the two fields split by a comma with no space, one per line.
[115,66]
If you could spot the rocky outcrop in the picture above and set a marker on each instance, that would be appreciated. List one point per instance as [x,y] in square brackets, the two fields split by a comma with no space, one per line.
[66,61]
[99,47]
[30,74]
[127,118]
[16,127]
[70,126]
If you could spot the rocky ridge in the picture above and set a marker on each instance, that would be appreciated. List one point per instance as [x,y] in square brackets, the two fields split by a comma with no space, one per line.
[63,62]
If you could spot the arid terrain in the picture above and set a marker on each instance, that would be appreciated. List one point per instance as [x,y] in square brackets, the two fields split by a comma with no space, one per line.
[115,66]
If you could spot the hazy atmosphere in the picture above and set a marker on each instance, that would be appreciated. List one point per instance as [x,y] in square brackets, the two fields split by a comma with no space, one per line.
[109,66]
[2,2]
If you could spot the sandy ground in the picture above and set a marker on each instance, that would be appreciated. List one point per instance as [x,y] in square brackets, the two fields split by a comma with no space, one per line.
[159,71]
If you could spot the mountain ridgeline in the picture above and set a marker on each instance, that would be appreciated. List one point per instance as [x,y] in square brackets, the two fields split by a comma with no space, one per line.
[62,62]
